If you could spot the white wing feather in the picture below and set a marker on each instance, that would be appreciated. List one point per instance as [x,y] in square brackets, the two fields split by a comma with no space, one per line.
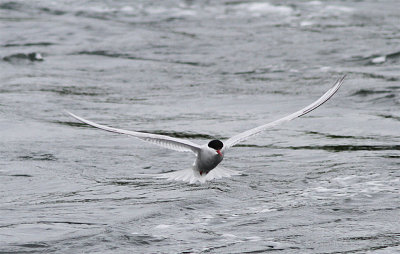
[247,134]
[161,140]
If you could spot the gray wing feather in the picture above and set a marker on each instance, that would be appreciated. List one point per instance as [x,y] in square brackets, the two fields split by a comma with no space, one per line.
[176,144]
[247,134]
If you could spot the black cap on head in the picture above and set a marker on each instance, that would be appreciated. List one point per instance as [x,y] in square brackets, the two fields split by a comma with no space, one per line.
[216,144]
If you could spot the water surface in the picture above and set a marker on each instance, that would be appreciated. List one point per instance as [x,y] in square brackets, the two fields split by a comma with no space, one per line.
[325,183]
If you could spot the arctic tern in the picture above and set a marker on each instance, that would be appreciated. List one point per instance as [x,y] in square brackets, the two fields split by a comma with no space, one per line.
[209,155]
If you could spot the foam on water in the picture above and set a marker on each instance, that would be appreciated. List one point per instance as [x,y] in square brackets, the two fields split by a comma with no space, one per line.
[264,8]
[337,9]
[355,186]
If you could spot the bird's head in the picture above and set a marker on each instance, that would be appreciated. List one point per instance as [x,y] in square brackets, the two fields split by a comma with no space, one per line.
[217,145]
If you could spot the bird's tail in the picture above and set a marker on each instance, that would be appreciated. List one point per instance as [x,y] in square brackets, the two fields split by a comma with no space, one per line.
[192,176]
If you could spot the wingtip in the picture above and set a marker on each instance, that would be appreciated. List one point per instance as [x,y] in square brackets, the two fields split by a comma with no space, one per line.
[67,112]
[342,78]
[72,115]
[339,82]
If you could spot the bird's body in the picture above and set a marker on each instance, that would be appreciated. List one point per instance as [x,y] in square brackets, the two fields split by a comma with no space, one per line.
[210,155]
[207,160]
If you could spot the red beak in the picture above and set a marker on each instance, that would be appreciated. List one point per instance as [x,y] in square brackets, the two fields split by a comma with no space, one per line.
[219,152]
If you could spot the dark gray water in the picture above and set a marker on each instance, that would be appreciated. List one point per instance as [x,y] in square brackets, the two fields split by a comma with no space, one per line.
[326,183]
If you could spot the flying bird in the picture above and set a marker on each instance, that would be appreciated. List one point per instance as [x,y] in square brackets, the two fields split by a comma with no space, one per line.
[210,155]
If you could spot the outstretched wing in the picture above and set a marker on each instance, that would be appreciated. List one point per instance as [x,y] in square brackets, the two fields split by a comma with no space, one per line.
[161,140]
[247,134]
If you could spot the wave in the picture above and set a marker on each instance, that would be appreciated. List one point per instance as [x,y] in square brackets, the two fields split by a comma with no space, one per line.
[263,8]
[38,157]
[10,6]
[19,57]
[377,59]
[391,117]
[345,148]
[366,92]
[332,136]
[29,44]
[72,90]
[333,148]
[132,57]
[375,76]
